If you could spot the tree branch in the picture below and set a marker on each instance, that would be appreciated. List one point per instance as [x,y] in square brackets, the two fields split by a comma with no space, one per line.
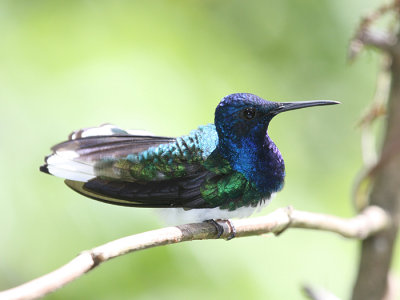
[376,253]
[366,36]
[373,38]
[370,221]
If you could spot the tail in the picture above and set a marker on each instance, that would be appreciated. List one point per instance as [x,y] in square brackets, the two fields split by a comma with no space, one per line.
[64,164]
[76,158]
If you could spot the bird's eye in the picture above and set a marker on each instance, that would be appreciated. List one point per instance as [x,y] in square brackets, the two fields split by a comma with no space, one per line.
[248,113]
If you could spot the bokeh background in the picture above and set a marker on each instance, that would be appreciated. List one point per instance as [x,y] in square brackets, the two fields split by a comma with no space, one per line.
[163,66]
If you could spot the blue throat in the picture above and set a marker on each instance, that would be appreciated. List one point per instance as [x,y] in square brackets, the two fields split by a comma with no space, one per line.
[258,159]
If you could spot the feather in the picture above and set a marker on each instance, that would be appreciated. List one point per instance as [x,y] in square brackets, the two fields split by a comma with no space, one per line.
[76,158]
[137,170]
[182,192]
[97,147]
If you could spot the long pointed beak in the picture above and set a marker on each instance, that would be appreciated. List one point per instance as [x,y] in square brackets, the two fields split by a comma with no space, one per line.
[286,106]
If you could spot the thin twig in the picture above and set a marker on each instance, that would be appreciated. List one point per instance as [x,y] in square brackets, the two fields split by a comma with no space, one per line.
[366,36]
[371,220]
[376,109]
[373,38]
[379,39]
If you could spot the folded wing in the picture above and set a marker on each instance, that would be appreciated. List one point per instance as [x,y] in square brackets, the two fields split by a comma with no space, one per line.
[135,170]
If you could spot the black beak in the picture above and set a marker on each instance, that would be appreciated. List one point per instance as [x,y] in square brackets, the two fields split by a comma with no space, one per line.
[286,106]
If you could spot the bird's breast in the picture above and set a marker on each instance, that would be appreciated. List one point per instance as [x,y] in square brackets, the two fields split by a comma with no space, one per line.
[262,165]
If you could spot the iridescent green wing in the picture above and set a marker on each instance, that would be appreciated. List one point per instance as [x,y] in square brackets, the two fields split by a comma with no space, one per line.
[166,175]
[179,158]
[205,184]
[151,171]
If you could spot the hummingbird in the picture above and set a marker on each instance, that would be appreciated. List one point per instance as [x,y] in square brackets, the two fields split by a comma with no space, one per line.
[219,171]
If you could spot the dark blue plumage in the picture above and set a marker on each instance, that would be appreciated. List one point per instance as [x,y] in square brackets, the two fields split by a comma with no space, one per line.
[217,171]
[245,143]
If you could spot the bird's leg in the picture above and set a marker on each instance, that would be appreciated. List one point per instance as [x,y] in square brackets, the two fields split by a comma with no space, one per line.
[220,228]
[232,229]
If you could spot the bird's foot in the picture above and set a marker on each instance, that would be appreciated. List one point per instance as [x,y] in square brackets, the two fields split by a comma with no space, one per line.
[232,229]
[220,228]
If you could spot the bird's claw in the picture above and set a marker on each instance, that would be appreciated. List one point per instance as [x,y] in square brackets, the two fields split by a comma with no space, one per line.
[220,228]
[232,229]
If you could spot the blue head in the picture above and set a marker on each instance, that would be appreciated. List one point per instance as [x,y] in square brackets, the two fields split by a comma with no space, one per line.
[241,121]
[243,115]
[247,115]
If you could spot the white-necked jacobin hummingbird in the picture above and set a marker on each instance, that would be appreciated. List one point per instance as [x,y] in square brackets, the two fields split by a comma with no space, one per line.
[218,171]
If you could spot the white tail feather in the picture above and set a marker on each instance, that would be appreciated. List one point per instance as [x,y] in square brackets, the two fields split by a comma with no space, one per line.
[66,163]
[63,164]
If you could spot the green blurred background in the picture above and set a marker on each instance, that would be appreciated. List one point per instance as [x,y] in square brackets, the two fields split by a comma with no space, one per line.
[163,66]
